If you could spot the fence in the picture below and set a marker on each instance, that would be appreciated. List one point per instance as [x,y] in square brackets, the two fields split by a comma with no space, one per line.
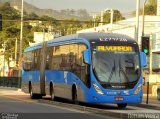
[10,82]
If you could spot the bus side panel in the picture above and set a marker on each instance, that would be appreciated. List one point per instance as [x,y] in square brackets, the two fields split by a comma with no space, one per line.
[33,77]
[57,78]
[25,80]
[82,90]
[63,82]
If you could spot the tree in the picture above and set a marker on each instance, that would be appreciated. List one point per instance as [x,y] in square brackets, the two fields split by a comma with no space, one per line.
[11,30]
[151,7]
[33,16]
[107,15]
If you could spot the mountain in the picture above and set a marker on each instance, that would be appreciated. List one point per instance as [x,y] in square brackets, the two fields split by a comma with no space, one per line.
[80,14]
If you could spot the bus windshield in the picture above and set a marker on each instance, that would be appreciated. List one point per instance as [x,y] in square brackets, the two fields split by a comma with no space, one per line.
[116,64]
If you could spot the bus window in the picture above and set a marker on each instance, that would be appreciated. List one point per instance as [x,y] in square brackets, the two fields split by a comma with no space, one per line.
[28,61]
[60,58]
[49,57]
[70,58]
[77,65]
[37,59]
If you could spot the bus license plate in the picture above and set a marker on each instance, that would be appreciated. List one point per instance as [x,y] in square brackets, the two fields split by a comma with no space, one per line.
[118,98]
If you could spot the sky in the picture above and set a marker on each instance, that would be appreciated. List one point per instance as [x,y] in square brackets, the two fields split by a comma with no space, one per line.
[124,6]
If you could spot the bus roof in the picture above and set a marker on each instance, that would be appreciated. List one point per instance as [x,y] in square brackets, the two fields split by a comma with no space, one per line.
[90,36]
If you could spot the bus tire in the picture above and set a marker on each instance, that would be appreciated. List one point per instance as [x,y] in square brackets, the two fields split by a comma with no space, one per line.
[74,95]
[158,94]
[52,92]
[33,95]
[122,106]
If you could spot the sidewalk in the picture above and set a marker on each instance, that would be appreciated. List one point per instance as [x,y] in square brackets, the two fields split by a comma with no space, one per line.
[152,99]
[153,103]
[11,91]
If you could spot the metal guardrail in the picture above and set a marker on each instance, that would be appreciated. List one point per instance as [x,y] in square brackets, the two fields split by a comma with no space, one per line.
[10,82]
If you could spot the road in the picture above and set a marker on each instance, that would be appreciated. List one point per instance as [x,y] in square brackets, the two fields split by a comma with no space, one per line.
[12,104]
[16,103]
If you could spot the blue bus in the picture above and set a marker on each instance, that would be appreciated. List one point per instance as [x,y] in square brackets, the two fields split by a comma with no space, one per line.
[85,67]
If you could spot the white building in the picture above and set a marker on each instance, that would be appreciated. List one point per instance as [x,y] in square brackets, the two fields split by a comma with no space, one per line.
[40,37]
[3,64]
[35,23]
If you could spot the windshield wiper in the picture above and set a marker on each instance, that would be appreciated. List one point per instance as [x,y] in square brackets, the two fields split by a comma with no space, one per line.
[111,74]
[122,70]
[95,72]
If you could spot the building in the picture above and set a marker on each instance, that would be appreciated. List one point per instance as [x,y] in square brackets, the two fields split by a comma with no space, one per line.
[41,36]
[3,64]
[35,23]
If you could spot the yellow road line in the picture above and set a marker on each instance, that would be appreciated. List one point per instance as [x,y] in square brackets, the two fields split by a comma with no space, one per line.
[23,100]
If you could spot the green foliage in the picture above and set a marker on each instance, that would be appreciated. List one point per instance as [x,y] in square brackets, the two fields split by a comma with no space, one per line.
[151,7]
[8,12]
[117,16]
[11,30]
[11,26]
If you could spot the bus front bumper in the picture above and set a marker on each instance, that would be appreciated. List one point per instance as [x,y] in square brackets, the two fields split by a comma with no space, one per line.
[131,99]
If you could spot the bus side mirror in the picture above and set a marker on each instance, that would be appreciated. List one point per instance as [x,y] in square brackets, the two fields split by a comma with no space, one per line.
[143,59]
[86,56]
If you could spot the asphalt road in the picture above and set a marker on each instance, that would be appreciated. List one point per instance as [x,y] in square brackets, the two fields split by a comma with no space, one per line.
[22,107]
[18,105]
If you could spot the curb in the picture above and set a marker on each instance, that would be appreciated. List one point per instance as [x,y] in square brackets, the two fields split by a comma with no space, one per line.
[85,108]
[148,106]
[10,88]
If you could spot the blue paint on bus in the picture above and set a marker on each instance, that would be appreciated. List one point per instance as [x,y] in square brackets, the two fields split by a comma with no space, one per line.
[68,78]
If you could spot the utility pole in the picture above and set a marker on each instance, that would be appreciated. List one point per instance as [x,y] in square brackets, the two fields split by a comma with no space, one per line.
[21,33]
[94,19]
[4,48]
[101,18]
[150,54]
[143,17]
[150,66]
[15,56]
[137,19]
[111,19]
[43,33]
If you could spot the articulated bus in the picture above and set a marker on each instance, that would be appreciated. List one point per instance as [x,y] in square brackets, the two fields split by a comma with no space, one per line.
[85,67]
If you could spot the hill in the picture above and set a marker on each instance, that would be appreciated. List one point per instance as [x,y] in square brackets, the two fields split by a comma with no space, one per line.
[80,14]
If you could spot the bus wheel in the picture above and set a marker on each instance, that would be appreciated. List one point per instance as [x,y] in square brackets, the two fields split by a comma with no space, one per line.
[158,94]
[52,92]
[32,95]
[74,96]
[122,106]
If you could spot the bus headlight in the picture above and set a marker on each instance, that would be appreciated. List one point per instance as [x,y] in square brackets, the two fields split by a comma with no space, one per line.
[98,90]
[138,89]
